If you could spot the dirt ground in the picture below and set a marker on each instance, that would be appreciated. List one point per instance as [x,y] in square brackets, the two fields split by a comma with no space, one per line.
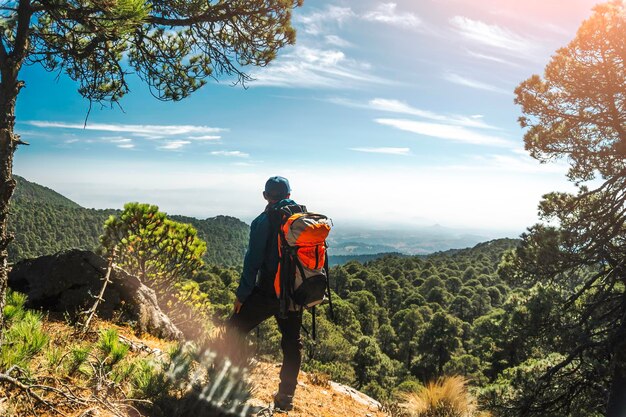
[314,397]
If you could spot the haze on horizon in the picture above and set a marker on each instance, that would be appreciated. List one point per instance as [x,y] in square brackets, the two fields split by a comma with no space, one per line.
[384,114]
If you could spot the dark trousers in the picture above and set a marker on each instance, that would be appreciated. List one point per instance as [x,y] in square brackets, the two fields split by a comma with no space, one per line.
[257,308]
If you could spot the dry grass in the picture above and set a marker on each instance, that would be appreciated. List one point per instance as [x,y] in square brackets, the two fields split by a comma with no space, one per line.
[314,397]
[319,379]
[63,338]
[446,397]
[311,400]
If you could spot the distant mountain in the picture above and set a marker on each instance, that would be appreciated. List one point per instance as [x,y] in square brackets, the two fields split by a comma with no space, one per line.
[46,222]
[411,241]
[226,238]
[44,228]
[29,192]
[358,248]
[335,260]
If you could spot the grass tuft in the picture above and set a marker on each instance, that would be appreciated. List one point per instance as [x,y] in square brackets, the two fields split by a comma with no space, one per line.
[109,343]
[446,397]
[78,357]
[23,340]
[14,307]
[149,381]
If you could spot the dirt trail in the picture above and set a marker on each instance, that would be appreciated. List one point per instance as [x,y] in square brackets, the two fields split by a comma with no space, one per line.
[313,398]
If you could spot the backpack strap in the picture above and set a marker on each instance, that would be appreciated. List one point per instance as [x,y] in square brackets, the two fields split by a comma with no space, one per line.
[313,333]
[330,299]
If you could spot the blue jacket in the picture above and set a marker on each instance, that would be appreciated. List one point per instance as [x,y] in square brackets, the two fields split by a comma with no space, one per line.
[261,260]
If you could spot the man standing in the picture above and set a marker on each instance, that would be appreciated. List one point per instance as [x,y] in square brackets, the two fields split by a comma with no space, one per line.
[256,298]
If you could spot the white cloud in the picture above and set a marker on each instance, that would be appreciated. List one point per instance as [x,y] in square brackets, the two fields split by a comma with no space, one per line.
[492,36]
[236,154]
[400,107]
[396,106]
[388,151]
[522,164]
[492,58]
[516,163]
[478,85]
[151,131]
[315,23]
[68,141]
[116,139]
[306,67]
[205,137]
[126,146]
[387,13]
[172,145]
[335,40]
[443,131]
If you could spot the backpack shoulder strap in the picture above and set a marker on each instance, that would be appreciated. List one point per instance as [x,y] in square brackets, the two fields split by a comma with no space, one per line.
[292,209]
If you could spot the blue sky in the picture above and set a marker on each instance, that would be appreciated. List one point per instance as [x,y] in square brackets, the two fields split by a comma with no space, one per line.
[383,113]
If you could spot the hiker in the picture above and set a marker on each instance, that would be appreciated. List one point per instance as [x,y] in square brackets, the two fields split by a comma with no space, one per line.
[256,296]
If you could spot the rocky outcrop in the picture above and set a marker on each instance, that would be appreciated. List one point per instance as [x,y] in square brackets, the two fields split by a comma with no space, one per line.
[68,281]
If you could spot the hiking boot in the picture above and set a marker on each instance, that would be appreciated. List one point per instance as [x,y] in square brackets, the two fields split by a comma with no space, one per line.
[283,402]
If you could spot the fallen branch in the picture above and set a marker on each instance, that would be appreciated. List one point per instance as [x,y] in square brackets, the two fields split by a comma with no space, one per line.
[28,389]
[107,278]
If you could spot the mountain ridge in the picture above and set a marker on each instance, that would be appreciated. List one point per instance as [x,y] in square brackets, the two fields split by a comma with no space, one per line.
[29,192]
[45,222]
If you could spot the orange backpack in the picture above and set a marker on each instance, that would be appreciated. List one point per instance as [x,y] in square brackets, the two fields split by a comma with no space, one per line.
[302,278]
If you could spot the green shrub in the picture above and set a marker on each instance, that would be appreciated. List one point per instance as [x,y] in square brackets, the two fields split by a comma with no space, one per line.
[54,357]
[78,357]
[14,308]
[23,340]
[122,372]
[149,381]
[109,343]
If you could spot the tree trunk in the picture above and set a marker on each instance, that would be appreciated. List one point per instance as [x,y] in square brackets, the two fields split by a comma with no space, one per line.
[9,88]
[617,395]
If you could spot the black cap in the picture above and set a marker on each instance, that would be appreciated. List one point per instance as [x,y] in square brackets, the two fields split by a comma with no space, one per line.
[277,187]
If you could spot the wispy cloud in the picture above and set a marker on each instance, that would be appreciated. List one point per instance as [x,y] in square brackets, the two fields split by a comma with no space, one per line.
[173,145]
[401,107]
[492,36]
[444,131]
[205,138]
[236,154]
[138,130]
[396,106]
[306,67]
[315,23]
[388,13]
[116,139]
[338,41]
[517,163]
[492,58]
[478,85]
[385,150]
[120,141]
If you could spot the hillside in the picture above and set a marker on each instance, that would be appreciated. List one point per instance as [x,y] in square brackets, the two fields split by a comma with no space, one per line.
[335,260]
[69,371]
[30,192]
[45,222]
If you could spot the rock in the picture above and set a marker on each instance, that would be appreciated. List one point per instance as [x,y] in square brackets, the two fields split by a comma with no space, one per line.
[357,396]
[69,280]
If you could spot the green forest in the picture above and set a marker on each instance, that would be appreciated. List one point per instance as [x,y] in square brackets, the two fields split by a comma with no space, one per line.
[45,222]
